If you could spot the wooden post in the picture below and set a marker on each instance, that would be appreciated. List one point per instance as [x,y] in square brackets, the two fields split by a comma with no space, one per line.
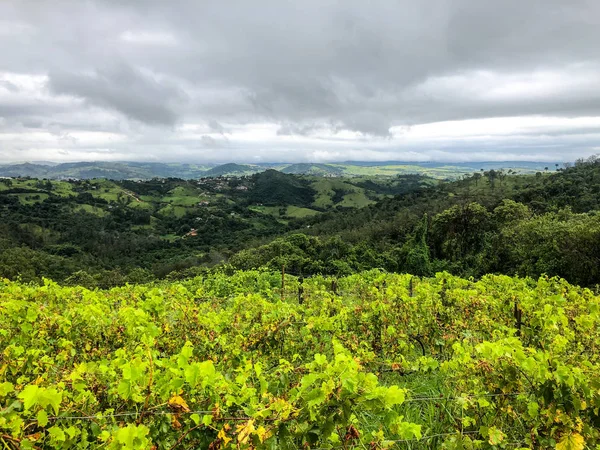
[518,314]
[282,282]
[301,291]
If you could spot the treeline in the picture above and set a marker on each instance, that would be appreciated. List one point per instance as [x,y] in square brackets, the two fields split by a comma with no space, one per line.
[489,222]
[468,240]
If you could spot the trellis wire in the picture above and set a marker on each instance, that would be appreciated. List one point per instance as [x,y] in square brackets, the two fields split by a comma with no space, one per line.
[100,415]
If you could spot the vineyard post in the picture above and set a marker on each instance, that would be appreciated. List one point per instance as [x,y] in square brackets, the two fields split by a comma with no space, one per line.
[518,314]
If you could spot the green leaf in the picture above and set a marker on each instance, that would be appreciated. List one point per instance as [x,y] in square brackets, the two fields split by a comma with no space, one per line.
[408,430]
[124,389]
[320,359]
[394,396]
[51,397]
[315,397]
[6,388]
[132,436]
[30,396]
[57,434]
[42,418]
[72,432]
[533,409]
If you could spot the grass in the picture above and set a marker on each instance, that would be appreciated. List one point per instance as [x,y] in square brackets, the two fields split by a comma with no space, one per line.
[355,200]
[355,196]
[181,196]
[173,210]
[295,212]
[28,199]
[106,190]
[91,210]
[298,212]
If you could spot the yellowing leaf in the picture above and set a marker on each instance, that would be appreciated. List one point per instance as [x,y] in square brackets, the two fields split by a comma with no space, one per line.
[177,402]
[495,436]
[263,434]
[222,435]
[572,441]
[244,431]
[175,423]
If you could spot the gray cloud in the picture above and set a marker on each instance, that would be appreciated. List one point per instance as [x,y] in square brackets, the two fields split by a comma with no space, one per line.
[312,69]
[137,95]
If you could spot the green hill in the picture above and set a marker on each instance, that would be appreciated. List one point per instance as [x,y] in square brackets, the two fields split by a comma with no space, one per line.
[313,169]
[231,169]
[274,188]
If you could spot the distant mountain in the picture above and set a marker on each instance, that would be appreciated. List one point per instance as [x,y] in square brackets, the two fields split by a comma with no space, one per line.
[312,169]
[25,169]
[148,170]
[232,169]
[475,165]
[103,169]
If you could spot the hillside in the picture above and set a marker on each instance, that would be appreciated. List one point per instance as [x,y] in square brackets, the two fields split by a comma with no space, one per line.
[231,170]
[499,223]
[367,361]
[312,169]
[273,188]
[145,171]
[120,230]
[105,233]
[102,169]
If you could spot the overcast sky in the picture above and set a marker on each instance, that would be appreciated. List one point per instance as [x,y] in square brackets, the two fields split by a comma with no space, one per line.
[303,80]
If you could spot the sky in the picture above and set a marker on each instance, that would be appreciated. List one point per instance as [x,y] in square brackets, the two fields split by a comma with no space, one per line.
[297,81]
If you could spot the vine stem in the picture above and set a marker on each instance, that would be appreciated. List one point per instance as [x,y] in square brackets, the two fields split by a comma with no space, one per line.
[149,388]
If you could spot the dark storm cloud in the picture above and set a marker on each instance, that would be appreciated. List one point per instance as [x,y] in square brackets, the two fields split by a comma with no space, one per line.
[305,66]
[124,89]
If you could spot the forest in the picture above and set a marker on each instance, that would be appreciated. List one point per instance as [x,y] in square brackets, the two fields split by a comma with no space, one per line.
[102,233]
[275,310]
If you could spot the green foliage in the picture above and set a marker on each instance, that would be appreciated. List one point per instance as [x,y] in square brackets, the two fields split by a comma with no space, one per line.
[221,361]
[275,188]
[416,251]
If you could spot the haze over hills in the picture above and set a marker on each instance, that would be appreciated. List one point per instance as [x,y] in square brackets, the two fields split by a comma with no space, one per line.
[143,171]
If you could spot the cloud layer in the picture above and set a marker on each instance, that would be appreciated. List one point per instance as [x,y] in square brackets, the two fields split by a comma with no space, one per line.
[297,81]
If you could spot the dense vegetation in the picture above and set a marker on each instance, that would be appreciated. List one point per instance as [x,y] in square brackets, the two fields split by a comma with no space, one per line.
[240,360]
[274,311]
[105,233]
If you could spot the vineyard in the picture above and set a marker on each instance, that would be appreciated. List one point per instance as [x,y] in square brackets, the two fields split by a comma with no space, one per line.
[242,360]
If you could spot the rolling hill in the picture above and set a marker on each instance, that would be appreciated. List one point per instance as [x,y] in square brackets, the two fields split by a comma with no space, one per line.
[145,171]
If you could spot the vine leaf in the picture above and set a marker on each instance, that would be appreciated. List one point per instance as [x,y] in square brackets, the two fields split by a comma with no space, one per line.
[177,402]
[572,441]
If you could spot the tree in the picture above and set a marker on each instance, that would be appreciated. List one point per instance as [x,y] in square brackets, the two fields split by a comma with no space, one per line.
[461,232]
[511,211]
[492,174]
[416,251]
